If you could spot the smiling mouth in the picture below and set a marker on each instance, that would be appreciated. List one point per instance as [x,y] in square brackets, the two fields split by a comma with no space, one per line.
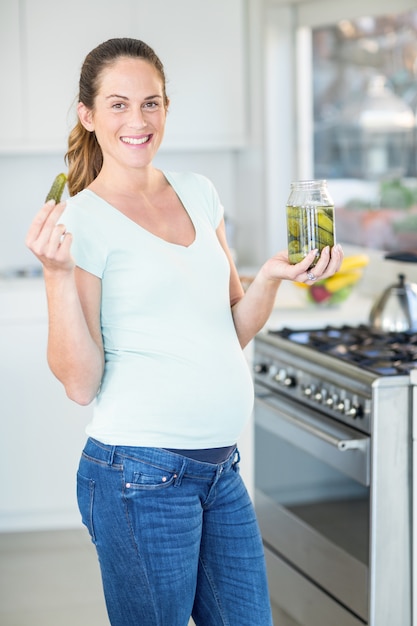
[135,142]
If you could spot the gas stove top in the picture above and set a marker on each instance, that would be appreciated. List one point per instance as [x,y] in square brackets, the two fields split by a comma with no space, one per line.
[384,354]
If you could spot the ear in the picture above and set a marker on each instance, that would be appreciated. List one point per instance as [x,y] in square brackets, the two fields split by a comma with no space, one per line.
[85,116]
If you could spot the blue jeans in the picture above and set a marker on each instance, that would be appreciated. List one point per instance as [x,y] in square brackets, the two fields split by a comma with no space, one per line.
[175,537]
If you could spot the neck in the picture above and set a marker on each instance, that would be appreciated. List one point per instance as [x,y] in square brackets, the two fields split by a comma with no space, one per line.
[127,181]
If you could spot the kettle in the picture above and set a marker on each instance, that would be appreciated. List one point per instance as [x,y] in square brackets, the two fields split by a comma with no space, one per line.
[396,308]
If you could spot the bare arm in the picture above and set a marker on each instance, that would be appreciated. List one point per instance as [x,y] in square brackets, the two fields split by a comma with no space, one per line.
[75,350]
[251,309]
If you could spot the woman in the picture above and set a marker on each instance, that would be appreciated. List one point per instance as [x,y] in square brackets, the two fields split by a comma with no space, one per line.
[147,317]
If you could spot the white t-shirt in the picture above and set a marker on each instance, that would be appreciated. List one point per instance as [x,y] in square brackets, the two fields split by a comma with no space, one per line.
[175,375]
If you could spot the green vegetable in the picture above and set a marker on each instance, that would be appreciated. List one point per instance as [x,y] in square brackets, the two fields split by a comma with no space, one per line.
[57,189]
[309,227]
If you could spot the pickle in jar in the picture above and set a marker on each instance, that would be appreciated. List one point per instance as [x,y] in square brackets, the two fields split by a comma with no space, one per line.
[309,228]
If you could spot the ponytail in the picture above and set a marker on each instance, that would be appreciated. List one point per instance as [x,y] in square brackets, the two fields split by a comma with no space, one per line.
[84,159]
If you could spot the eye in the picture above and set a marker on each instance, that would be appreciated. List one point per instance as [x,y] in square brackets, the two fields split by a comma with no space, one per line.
[118,106]
[151,105]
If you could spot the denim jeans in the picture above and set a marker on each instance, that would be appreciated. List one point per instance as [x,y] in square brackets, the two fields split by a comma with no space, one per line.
[175,537]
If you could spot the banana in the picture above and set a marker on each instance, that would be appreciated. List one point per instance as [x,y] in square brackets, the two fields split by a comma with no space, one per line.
[342,279]
[355,261]
[57,188]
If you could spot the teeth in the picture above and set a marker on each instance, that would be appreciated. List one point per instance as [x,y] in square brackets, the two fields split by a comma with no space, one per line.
[135,142]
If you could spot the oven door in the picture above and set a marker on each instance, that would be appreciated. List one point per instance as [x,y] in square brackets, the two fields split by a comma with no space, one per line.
[312,496]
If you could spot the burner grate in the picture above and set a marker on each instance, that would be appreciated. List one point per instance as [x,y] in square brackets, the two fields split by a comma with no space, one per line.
[386,354]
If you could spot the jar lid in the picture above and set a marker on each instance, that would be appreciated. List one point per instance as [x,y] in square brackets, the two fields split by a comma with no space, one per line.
[308,184]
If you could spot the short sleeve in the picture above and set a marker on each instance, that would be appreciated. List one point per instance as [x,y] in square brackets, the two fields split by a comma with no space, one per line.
[89,247]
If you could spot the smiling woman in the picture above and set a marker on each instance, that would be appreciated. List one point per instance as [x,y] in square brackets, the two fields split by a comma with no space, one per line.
[143,297]
[127,119]
[99,93]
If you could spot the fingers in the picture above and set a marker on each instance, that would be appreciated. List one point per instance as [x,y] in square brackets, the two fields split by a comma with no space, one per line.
[49,240]
[44,223]
[328,264]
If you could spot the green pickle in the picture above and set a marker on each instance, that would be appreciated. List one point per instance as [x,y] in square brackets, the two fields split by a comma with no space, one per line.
[57,188]
[309,227]
[310,219]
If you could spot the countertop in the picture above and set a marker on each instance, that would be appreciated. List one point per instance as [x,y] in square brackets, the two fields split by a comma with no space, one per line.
[292,310]
[22,299]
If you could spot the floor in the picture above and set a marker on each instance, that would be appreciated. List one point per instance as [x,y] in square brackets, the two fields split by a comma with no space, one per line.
[52,578]
[49,579]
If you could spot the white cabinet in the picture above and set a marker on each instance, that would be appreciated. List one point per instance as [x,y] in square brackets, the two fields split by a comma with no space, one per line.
[57,36]
[200,43]
[42,432]
[11,101]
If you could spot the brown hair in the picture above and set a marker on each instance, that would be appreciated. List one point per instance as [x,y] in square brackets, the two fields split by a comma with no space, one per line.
[84,157]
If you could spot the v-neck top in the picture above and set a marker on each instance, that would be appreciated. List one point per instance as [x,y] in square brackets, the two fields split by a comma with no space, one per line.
[175,375]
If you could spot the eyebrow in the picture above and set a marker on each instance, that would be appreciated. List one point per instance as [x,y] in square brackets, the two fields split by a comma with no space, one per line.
[115,95]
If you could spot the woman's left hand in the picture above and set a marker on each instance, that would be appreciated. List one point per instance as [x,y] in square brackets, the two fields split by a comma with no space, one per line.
[279,268]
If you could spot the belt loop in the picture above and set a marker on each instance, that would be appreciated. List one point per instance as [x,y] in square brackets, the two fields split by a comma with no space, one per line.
[112,453]
[180,474]
[236,457]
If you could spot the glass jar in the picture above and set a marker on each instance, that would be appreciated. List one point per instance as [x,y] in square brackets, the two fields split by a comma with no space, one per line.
[310,219]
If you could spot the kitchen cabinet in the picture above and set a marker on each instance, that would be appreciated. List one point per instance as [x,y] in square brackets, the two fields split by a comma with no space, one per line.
[200,43]
[11,103]
[42,431]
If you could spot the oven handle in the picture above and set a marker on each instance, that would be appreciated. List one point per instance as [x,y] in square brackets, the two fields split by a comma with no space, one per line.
[340,444]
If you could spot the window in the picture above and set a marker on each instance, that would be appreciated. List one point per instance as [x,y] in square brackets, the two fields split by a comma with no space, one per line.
[365,97]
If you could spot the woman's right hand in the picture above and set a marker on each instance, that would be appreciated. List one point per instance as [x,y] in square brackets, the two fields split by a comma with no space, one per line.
[49,241]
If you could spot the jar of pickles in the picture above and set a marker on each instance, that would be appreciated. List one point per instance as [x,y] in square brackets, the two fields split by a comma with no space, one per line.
[310,219]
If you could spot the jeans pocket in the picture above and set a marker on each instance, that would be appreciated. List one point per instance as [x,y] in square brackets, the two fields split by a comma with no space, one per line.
[144,476]
[85,497]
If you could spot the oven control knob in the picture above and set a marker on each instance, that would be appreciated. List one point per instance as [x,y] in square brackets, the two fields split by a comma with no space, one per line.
[331,401]
[290,381]
[355,411]
[340,406]
[261,368]
[272,371]
[285,379]
[320,396]
[308,391]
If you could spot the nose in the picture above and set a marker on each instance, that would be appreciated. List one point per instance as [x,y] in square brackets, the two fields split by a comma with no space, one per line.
[138,120]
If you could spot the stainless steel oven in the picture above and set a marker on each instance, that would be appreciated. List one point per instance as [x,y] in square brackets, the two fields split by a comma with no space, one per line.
[333,476]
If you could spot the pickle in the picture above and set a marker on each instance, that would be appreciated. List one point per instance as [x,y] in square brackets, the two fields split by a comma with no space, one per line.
[324,238]
[309,227]
[293,227]
[325,221]
[296,252]
[57,189]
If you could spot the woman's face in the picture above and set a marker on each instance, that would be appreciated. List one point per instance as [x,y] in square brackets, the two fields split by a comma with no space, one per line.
[129,112]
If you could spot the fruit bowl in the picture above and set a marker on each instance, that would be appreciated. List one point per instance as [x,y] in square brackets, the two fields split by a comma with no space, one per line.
[318,294]
[337,288]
